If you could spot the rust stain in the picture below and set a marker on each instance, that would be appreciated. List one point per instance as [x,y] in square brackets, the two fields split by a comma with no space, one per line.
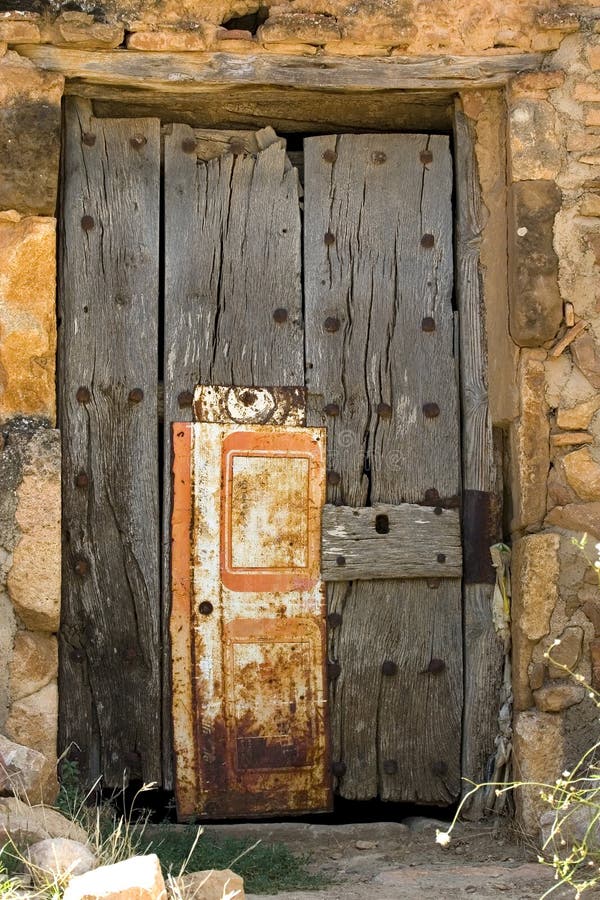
[250,405]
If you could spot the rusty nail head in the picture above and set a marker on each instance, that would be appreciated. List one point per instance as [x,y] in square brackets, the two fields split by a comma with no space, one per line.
[82,567]
[206,608]
[236,147]
[431,410]
[426,156]
[188,145]
[280,315]
[329,238]
[390,766]
[427,241]
[87,223]
[138,141]
[433,582]
[438,511]
[81,480]
[436,666]
[340,560]
[333,477]
[428,324]
[332,409]
[378,157]
[331,324]
[389,667]
[83,395]
[432,495]
[88,139]
[334,619]
[384,410]
[334,670]
[185,398]
[439,767]
[330,156]
[338,769]
[136,395]
[441,557]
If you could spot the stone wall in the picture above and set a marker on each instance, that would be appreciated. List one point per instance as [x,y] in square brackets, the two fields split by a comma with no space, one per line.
[538,148]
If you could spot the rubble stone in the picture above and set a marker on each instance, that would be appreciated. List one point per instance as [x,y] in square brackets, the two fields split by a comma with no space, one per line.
[34,663]
[552,698]
[22,769]
[579,416]
[59,859]
[583,473]
[539,753]
[27,824]
[138,878]
[211,884]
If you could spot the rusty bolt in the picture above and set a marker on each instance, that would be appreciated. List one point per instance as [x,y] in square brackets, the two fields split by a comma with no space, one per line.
[332,409]
[334,619]
[87,223]
[432,495]
[206,608]
[441,557]
[426,156]
[433,583]
[88,139]
[389,667]
[81,480]
[439,768]
[338,769]
[138,141]
[431,410]
[331,324]
[334,670]
[436,666]
[340,560]
[184,398]
[382,523]
[188,145]
[384,410]
[333,477]
[280,315]
[136,395]
[390,766]
[330,156]
[378,157]
[438,511]
[427,241]
[329,238]
[83,395]
[82,567]
[428,324]
[236,146]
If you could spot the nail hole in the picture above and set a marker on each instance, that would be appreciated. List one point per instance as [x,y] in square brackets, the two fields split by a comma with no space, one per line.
[382,524]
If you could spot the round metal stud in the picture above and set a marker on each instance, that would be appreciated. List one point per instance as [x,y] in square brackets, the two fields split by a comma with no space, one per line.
[205,608]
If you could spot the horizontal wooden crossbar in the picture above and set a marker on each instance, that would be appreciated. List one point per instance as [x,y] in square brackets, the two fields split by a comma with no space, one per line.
[404,541]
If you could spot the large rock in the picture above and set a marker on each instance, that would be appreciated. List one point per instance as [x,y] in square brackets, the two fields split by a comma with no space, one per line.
[139,878]
[33,721]
[211,884]
[34,663]
[22,770]
[567,653]
[25,824]
[530,444]
[539,758]
[536,307]
[59,859]
[571,826]
[27,313]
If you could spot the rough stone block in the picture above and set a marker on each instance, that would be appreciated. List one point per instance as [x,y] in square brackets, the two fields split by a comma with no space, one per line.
[583,473]
[27,824]
[211,884]
[170,41]
[577,517]
[535,149]
[536,308]
[567,653]
[29,136]
[554,698]
[33,721]
[586,356]
[578,416]
[34,663]
[302,27]
[27,313]
[535,574]
[539,756]
[79,30]
[58,859]
[530,444]
[22,770]
[19,32]
[139,878]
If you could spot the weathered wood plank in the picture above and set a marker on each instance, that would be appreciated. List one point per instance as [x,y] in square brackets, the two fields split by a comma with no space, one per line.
[384,541]
[380,339]
[199,71]
[483,648]
[108,307]
[232,257]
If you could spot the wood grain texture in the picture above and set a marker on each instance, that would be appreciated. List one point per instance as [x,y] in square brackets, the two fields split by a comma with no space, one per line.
[108,299]
[356,546]
[378,261]
[199,71]
[483,650]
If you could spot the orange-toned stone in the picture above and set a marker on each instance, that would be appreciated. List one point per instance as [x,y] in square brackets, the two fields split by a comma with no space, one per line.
[170,41]
[592,116]
[19,32]
[586,91]
[536,84]
[300,27]
[27,316]
[77,29]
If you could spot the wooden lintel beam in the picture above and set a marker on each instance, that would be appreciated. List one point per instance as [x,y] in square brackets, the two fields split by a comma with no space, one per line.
[191,72]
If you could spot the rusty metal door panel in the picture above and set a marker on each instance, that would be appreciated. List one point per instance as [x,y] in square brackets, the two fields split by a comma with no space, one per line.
[248,620]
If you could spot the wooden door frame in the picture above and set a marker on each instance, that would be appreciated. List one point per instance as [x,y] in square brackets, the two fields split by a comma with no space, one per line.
[107,75]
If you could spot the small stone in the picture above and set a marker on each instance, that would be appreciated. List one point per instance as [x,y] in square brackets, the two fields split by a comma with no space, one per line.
[138,878]
[366,845]
[27,824]
[34,663]
[587,357]
[539,753]
[583,473]
[300,27]
[529,443]
[59,859]
[553,698]
[537,673]
[587,91]
[536,84]
[535,148]
[15,32]
[591,609]
[570,438]
[567,653]
[211,884]
[32,721]
[21,769]
[578,517]
[168,41]
[580,416]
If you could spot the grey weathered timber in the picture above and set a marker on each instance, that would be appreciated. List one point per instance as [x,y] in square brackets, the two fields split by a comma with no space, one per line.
[383,541]
[483,649]
[108,308]
[232,257]
[202,71]
[381,373]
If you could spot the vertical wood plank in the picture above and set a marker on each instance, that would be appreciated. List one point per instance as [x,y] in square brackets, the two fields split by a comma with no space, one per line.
[483,648]
[381,374]
[232,258]
[108,308]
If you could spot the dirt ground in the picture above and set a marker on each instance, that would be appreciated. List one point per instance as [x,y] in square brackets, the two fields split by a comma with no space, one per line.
[401,861]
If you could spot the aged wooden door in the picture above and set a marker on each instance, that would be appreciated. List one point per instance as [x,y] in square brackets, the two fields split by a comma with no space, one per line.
[358,310]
